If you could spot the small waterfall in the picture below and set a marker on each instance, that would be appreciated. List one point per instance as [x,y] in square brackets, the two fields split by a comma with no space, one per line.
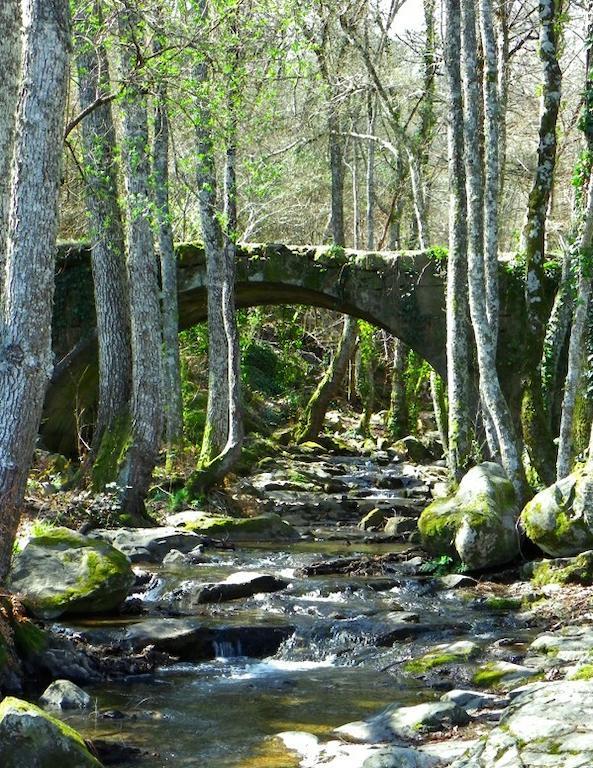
[227,649]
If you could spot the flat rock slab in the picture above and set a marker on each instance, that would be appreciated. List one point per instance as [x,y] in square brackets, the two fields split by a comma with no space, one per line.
[548,724]
[405,723]
[568,644]
[192,640]
[149,545]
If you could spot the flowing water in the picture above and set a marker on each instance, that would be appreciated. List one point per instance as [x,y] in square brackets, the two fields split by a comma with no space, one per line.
[337,665]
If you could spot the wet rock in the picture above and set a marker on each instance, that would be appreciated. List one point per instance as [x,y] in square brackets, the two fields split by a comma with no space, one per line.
[562,570]
[556,521]
[63,572]
[458,652]
[175,558]
[456,581]
[478,523]
[261,528]
[32,738]
[475,700]
[116,753]
[413,449]
[496,674]
[149,545]
[373,519]
[569,644]
[548,724]
[191,640]
[238,585]
[447,751]
[63,694]
[337,754]
[398,525]
[407,723]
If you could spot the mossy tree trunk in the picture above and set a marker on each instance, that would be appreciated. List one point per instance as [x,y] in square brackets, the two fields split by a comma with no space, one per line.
[141,451]
[223,433]
[108,257]
[457,298]
[398,415]
[478,301]
[25,355]
[537,436]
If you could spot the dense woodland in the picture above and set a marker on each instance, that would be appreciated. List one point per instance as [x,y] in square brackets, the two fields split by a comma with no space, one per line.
[449,144]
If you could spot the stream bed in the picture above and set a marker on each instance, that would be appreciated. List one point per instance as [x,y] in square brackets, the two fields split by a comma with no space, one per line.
[325,650]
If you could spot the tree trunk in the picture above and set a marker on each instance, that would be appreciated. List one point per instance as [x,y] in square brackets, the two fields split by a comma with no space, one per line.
[457,301]
[537,437]
[26,357]
[173,405]
[314,415]
[397,420]
[485,342]
[10,66]
[108,256]
[223,433]
[146,428]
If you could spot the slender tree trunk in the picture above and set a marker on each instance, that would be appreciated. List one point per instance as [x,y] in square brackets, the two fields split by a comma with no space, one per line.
[502,43]
[485,342]
[25,356]
[313,417]
[108,256]
[457,301]
[10,66]
[173,405]
[146,428]
[437,392]
[537,436]
[223,433]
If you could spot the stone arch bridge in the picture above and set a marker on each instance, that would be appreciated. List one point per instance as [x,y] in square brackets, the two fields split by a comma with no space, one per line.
[403,293]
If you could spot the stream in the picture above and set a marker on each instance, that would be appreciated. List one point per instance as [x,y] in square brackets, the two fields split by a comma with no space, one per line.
[337,645]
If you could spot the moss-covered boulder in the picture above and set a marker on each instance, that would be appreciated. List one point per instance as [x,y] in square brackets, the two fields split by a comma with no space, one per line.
[31,738]
[562,570]
[259,528]
[413,449]
[555,519]
[477,524]
[64,572]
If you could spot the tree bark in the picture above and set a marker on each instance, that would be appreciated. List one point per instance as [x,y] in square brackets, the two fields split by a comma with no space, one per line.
[397,420]
[457,300]
[485,343]
[146,427]
[172,400]
[108,256]
[10,66]
[537,437]
[25,356]
[223,433]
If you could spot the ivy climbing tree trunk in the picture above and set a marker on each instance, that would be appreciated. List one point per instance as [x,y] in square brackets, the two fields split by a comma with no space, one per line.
[457,301]
[485,344]
[10,66]
[141,451]
[25,355]
[536,435]
[172,401]
[397,419]
[108,257]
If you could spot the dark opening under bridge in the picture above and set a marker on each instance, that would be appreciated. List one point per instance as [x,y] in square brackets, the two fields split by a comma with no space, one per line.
[403,293]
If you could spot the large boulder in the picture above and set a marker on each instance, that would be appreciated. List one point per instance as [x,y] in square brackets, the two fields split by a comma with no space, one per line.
[477,524]
[260,528]
[63,572]
[148,545]
[31,738]
[556,521]
[64,694]
[548,724]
